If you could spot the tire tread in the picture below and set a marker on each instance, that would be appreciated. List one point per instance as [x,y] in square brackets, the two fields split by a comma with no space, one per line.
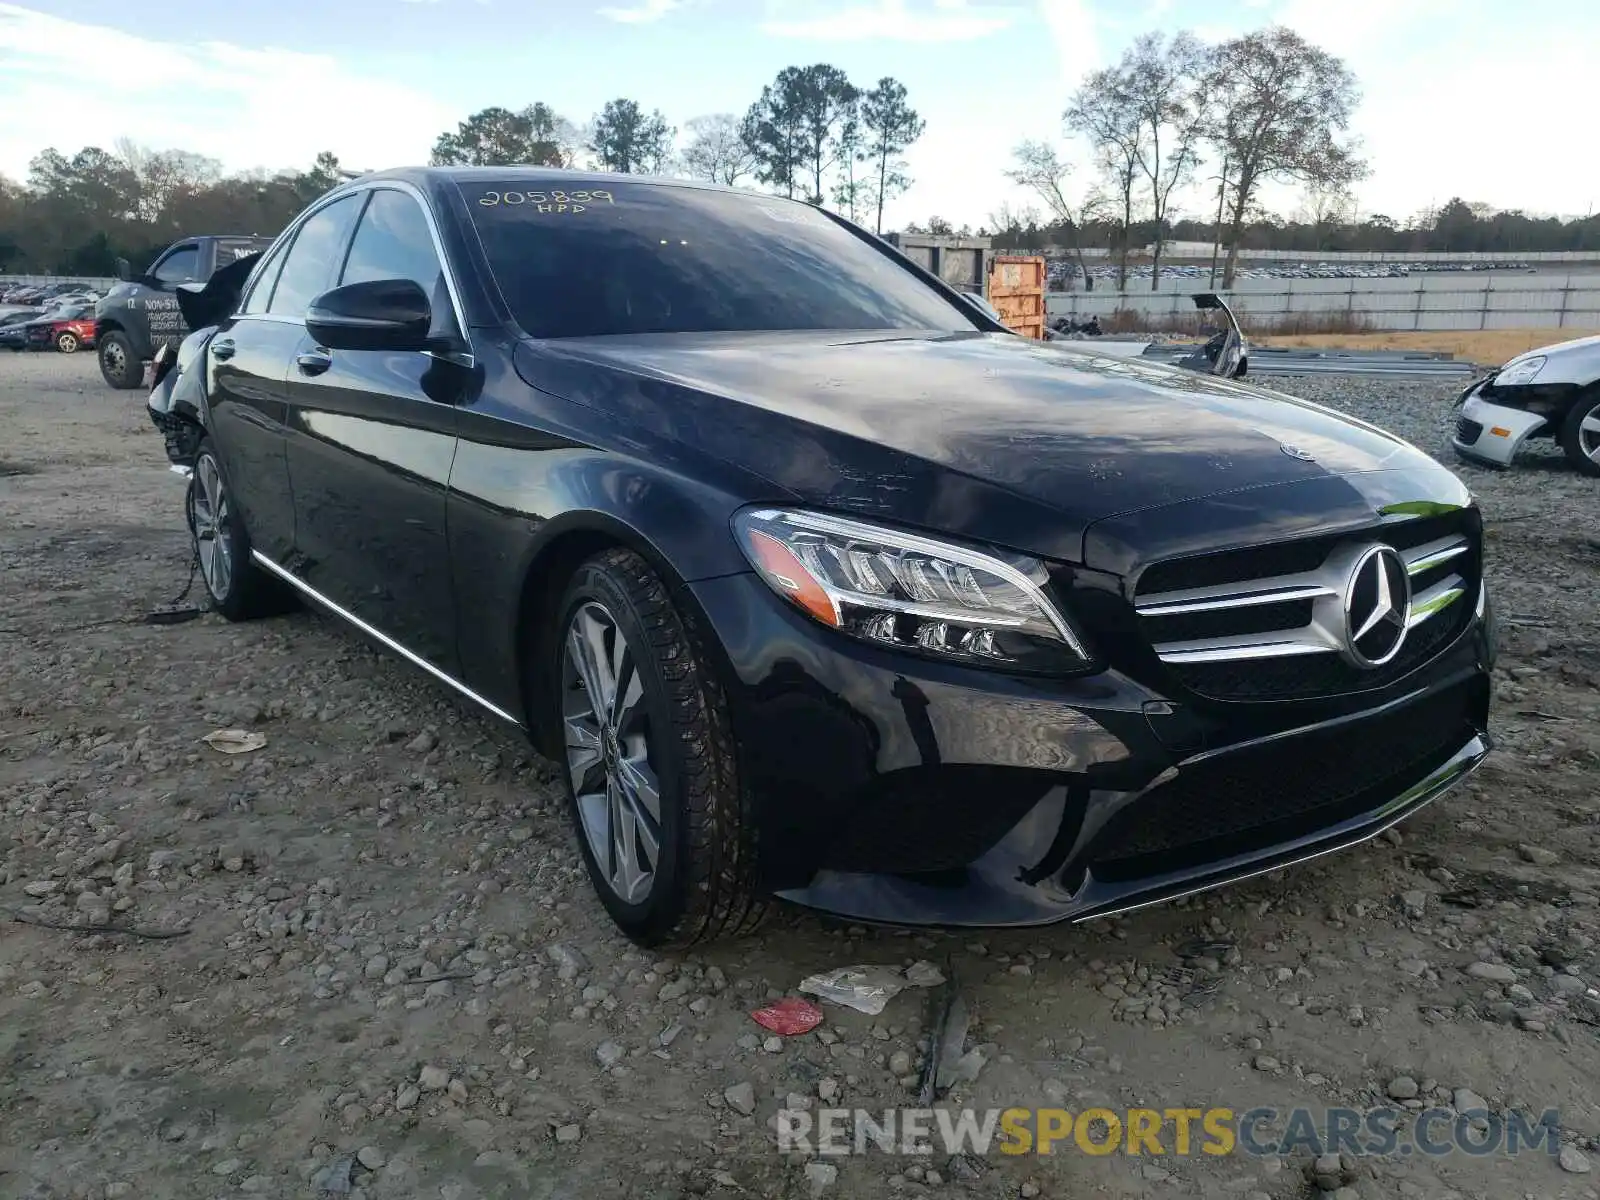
[721,897]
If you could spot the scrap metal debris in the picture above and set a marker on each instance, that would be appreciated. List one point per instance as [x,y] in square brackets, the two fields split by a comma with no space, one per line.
[235,741]
[26,918]
[948,1062]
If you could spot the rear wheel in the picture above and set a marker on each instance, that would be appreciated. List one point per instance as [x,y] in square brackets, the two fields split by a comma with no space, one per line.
[67,342]
[651,775]
[1580,434]
[119,365]
[238,588]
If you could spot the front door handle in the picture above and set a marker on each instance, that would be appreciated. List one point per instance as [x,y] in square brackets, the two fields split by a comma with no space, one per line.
[222,350]
[314,363]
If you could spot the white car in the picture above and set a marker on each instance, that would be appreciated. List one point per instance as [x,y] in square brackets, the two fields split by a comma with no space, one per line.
[1553,392]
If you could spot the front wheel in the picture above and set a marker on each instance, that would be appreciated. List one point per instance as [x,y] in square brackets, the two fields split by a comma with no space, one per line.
[119,365]
[651,774]
[238,588]
[67,342]
[1580,434]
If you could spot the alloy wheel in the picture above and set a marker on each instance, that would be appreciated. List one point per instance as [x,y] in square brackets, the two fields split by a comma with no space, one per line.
[609,752]
[1589,435]
[67,343]
[213,541]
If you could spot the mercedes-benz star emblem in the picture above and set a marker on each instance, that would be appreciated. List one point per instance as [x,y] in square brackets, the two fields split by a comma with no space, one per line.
[1377,607]
[1295,452]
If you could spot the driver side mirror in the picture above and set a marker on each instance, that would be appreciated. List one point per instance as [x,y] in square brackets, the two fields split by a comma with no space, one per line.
[124,270]
[380,314]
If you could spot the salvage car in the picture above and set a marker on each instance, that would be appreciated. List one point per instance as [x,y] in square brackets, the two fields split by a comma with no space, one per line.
[816,581]
[1549,393]
[13,335]
[68,329]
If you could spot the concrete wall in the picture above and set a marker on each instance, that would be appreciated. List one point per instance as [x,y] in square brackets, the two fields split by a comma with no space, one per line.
[1178,250]
[98,284]
[1477,300]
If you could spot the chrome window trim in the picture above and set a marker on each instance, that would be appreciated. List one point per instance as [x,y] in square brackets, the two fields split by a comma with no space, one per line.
[378,635]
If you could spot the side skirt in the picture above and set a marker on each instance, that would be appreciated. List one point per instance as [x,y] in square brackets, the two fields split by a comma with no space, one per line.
[379,636]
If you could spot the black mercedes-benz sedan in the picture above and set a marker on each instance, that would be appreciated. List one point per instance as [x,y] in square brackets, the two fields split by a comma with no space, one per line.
[818,582]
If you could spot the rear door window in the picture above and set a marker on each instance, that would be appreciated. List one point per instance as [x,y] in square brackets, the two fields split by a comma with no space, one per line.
[255,300]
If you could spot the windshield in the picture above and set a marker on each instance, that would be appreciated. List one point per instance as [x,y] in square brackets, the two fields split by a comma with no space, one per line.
[646,258]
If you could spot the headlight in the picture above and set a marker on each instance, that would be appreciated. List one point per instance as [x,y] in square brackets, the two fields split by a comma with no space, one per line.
[1523,372]
[910,592]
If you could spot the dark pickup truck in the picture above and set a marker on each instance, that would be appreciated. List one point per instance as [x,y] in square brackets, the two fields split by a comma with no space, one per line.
[141,314]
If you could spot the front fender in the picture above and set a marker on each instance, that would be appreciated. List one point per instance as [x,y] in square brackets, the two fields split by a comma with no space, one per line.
[537,488]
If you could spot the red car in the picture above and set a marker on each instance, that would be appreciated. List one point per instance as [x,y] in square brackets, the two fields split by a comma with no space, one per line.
[68,331]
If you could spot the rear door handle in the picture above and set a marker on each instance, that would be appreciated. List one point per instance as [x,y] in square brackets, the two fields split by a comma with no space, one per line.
[223,349]
[314,363]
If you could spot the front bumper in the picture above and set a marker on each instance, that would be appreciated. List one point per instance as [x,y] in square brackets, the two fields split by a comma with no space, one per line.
[1492,433]
[902,790]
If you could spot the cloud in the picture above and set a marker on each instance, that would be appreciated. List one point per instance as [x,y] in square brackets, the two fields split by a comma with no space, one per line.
[245,107]
[896,20]
[1072,31]
[642,13]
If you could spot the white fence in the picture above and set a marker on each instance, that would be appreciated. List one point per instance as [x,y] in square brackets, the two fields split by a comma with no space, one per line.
[1481,300]
[1191,252]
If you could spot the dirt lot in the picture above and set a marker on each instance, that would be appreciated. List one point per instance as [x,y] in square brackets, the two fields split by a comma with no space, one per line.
[1488,347]
[389,946]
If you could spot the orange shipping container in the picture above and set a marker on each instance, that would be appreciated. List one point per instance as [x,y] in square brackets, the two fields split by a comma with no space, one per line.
[1016,289]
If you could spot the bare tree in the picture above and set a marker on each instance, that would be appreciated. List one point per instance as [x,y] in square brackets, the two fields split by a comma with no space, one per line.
[1279,107]
[1012,221]
[165,175]
[718,150]
[1162,82]
[1105,111]
[1040,169]
[1325,207]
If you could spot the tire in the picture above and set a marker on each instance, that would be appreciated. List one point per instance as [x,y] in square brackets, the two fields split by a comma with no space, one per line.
[1580,433]
[238,589]
[67,342]
[674,734]
[119,365]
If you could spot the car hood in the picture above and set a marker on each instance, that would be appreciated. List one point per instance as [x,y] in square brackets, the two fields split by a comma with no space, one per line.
[990,435]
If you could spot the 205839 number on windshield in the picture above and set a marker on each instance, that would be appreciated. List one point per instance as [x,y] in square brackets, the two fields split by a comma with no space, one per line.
[552,201]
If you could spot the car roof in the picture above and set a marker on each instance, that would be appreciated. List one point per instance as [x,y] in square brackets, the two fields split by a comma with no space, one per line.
[423,177]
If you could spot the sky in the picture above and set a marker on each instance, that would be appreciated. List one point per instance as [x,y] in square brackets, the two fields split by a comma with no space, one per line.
[1478,98]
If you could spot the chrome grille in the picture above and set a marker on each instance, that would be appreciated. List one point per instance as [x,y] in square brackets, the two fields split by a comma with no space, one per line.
[1293,625]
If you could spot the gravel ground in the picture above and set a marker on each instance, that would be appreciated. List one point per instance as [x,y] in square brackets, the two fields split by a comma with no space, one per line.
[390,951]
